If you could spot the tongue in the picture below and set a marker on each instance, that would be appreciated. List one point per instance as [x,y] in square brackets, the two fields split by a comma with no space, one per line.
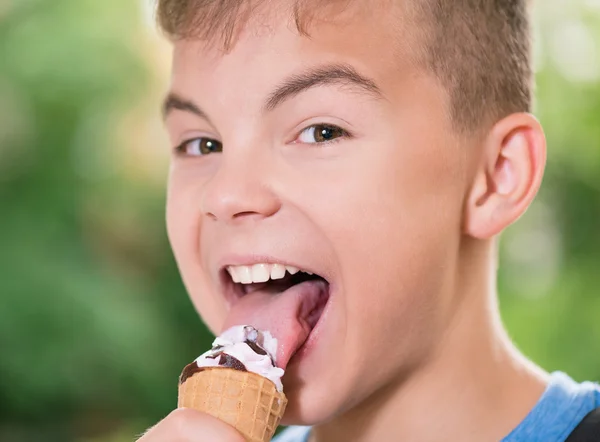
[289,316]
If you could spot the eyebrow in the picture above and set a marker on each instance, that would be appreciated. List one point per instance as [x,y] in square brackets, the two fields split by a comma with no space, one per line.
[334,74]
[174,101]
[337,74]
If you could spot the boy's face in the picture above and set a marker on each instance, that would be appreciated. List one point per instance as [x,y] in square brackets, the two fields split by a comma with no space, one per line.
[377,212]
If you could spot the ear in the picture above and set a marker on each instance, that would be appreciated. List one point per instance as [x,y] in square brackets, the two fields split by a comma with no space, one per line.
[508,176]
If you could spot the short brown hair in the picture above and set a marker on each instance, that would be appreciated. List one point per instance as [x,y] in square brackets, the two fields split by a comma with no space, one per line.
[479,50]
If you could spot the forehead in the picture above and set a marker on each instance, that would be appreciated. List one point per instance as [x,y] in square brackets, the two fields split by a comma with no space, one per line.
[376,40]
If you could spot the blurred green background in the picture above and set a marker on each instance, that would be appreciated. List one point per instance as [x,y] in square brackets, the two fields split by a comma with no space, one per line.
[94,322]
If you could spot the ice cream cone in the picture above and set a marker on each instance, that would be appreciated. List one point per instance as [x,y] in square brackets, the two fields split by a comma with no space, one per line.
[247,401]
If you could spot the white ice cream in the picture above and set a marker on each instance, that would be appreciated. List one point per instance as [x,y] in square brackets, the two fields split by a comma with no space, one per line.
[233,342]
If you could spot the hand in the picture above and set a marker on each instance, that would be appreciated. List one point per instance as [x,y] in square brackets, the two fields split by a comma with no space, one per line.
[187,425]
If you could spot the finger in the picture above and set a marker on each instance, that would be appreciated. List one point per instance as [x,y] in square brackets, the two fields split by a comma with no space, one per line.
[188,425]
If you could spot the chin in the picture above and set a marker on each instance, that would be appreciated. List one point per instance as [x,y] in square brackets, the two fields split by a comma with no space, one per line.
[312,403]
[307,409]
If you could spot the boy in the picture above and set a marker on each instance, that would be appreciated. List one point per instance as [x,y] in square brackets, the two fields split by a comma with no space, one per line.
[378,147]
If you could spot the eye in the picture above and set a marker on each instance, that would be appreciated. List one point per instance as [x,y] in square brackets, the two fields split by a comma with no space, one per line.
[199,146]
[321,133]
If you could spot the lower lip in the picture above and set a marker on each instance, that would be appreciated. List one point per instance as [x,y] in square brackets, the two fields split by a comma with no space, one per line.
[314,335]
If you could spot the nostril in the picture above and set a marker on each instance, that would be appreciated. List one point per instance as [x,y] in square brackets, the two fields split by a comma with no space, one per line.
[244,214]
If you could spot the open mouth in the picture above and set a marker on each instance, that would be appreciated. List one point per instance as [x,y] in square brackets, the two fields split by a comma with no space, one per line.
[278,280]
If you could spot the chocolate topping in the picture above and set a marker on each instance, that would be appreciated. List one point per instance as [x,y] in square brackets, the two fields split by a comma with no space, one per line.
[225,360]
[230,362]
[189,371]
[254,346]
[251,333]
[254,340]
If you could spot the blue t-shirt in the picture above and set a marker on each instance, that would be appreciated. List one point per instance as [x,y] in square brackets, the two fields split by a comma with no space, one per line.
[560,409]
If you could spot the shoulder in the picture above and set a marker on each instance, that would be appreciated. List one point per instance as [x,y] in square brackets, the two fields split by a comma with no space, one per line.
[293,434]
[560,409]
[587,392]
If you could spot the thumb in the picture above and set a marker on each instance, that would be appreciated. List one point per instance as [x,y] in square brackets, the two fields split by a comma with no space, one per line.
[188,425]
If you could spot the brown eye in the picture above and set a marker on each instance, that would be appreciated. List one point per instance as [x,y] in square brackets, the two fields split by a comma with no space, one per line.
[321,133]
[199,146]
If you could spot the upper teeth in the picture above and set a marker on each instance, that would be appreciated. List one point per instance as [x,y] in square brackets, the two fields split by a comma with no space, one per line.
[259,272]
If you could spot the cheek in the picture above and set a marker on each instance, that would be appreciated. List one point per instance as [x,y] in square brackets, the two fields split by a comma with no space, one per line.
[406,226]
[394,211]
[395,226]
[184,222]
[183,218]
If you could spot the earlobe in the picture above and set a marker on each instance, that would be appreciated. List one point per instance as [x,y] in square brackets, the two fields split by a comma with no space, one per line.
[508,176]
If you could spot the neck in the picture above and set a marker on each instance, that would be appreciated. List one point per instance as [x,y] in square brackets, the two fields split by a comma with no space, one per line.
[475,386]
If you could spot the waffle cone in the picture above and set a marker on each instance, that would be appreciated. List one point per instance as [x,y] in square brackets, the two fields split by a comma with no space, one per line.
[247,401]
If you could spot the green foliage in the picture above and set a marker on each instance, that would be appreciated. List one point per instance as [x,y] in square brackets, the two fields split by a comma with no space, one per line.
[94,322]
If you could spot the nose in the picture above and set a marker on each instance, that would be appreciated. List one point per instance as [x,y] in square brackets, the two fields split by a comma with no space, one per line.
[239,189]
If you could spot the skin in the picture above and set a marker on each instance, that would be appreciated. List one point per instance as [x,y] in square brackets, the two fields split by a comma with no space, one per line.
[401,217]
[187,425]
